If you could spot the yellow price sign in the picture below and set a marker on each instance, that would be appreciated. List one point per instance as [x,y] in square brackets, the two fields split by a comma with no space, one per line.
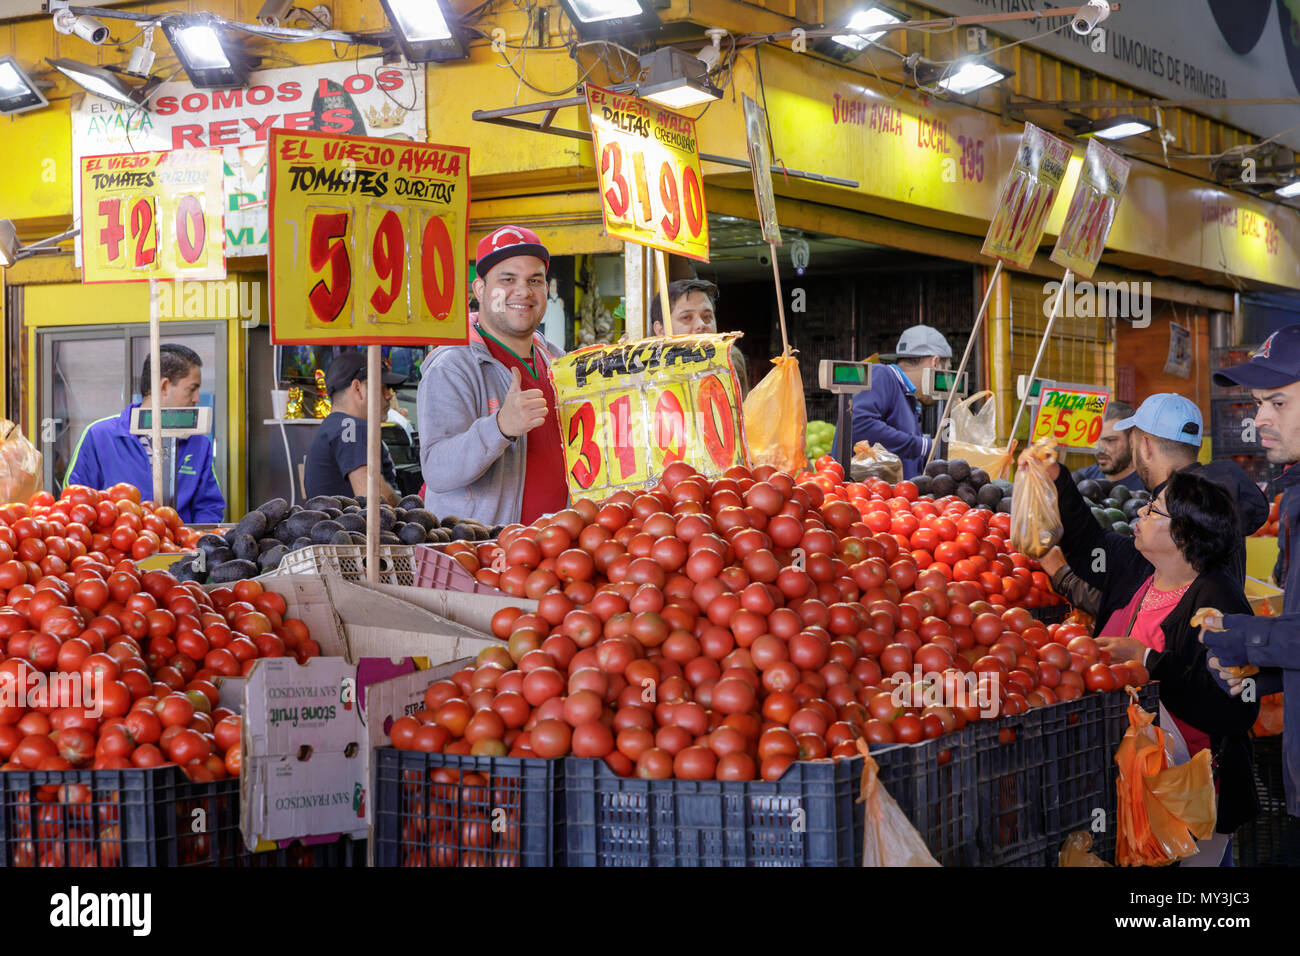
[1102,180]
[648,162]
[368,241]
[1027,197]
[628,411]
[1070,417]
[155,215]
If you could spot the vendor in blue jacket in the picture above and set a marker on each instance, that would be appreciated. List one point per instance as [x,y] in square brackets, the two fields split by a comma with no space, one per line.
[107,452]
[889,412]
[1272,643]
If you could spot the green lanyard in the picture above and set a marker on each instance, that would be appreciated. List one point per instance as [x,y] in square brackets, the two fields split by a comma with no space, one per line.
[526,363]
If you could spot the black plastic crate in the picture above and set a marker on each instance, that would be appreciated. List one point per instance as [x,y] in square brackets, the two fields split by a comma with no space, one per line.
[1050,613]
[1009,756]
[154,817]
[934,785]
[810,817]
[1227,428]
[1272,838]
[1078,772]
[430,811]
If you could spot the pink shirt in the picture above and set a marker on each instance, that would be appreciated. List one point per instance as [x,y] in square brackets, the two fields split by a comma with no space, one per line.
[1146,628]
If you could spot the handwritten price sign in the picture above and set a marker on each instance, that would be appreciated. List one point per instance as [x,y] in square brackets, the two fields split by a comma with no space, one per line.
[155,215]
[368,241]
[648,160]
[1071,417]
[1092,210]
[1027,198]
[629,411]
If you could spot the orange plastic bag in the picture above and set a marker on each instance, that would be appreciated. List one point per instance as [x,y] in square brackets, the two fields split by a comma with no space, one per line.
[1163,810]
[775,418]
[20,464]
[1077,851]
[888,839]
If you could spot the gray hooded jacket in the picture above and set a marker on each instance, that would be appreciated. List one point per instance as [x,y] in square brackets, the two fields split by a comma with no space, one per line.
[470,469]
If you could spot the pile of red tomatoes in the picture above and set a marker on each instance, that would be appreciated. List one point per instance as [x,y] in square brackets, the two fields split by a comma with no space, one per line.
[103,666]
[724,629]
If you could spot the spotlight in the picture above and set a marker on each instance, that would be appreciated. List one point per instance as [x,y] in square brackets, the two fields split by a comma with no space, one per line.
[595,18]
[857,32]
[423,31]
[961,78]
[1289,191]
[18,93]
[210,60]
[678,80]
[1114,127]
[88,28]
[104,81]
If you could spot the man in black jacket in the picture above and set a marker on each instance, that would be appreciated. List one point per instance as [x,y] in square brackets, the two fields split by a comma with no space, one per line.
[1166,436]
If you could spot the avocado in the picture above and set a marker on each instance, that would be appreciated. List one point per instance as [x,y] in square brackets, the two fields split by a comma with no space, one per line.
[266,544]
[463,532]
[357,537]
[236,570]
[426,519]
[978,478]
[332,513]
[937,467]
[301,524]
[1105,485]
[345,502]
[387,537]
[321,502]
[1005,485]
[1004,506]
[229,536]
[1122,527]
[1115,515]
[254,524]
[184,570]
[340,537]
[212,542]
[943,485]
[300,543]
[353,510]
[411,533]
[275,510]
[495,531]
[959,468]
[438,536]
[323,531]
[450,521]
[922,483]
[284,532]
[351,522]
[988,496]
[245,547]
[965,493]
[1142,495]
[1121,493]
[1131,507]
[387,519]
[218,556]
[270,560]
[412,502]
[1102,517]
[1089,489]
[1109,503]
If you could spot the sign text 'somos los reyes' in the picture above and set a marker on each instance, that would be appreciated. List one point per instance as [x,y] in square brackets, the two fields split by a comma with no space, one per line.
[368,241]
[629,411]
[152,215]
[648,161]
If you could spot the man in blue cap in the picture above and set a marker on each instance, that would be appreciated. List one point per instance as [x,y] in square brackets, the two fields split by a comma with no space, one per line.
[889,413]
[1165,438]
[1272,643]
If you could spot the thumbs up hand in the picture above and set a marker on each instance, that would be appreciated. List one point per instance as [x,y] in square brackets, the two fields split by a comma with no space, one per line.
[522,410]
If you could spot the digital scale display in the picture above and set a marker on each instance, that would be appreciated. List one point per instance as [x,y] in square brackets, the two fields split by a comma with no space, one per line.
[849,374]
[843,378]
[172,418]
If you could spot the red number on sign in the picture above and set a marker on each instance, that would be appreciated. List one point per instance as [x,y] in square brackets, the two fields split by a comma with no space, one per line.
[642,187]
[327,248]
[584,422]
[389,254]
[1094,430]
[189,218]
[670,427]
[694,201]
[718,429]
[111,235]
[436,259]
[621,408]
[141,230]
[611,163]
[672,220]
[1062,424]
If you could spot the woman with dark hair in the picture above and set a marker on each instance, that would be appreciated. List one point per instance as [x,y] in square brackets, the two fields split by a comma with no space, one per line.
[1151,585]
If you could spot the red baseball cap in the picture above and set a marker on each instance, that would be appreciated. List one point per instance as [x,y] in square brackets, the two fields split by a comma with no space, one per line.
[506,243]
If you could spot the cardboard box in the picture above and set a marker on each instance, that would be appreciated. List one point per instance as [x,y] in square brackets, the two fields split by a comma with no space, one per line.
[472,610]
[307,731]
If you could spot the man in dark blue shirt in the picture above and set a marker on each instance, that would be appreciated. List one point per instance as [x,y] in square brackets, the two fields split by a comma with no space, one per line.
[336,461]
[889,412]
[1114,451]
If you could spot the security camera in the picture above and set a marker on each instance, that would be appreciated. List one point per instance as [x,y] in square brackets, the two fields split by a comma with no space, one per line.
[1086,20]
[273,12]
[86,27]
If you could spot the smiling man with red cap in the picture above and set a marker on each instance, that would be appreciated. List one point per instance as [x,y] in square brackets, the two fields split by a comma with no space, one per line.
[490,445]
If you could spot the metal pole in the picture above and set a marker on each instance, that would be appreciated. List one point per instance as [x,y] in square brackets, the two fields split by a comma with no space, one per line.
[970,345]
[1066,280]
[374,388]
[155,388]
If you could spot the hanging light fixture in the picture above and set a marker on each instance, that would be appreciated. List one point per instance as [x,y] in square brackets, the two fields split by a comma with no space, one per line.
[106,81]
[857,33]
[1112,128]
[678,80]
[597,18]
[424,31]
[18,93]
[210,59]
[961,78]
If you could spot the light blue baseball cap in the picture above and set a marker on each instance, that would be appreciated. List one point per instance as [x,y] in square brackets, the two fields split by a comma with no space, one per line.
[1167,415]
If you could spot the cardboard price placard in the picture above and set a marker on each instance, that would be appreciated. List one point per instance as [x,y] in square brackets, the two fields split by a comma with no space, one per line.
[155,215]
[1027,198]
[629,411]
[1072,417]
[368,241]
[648,161]
[760,164]
[1092,210]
